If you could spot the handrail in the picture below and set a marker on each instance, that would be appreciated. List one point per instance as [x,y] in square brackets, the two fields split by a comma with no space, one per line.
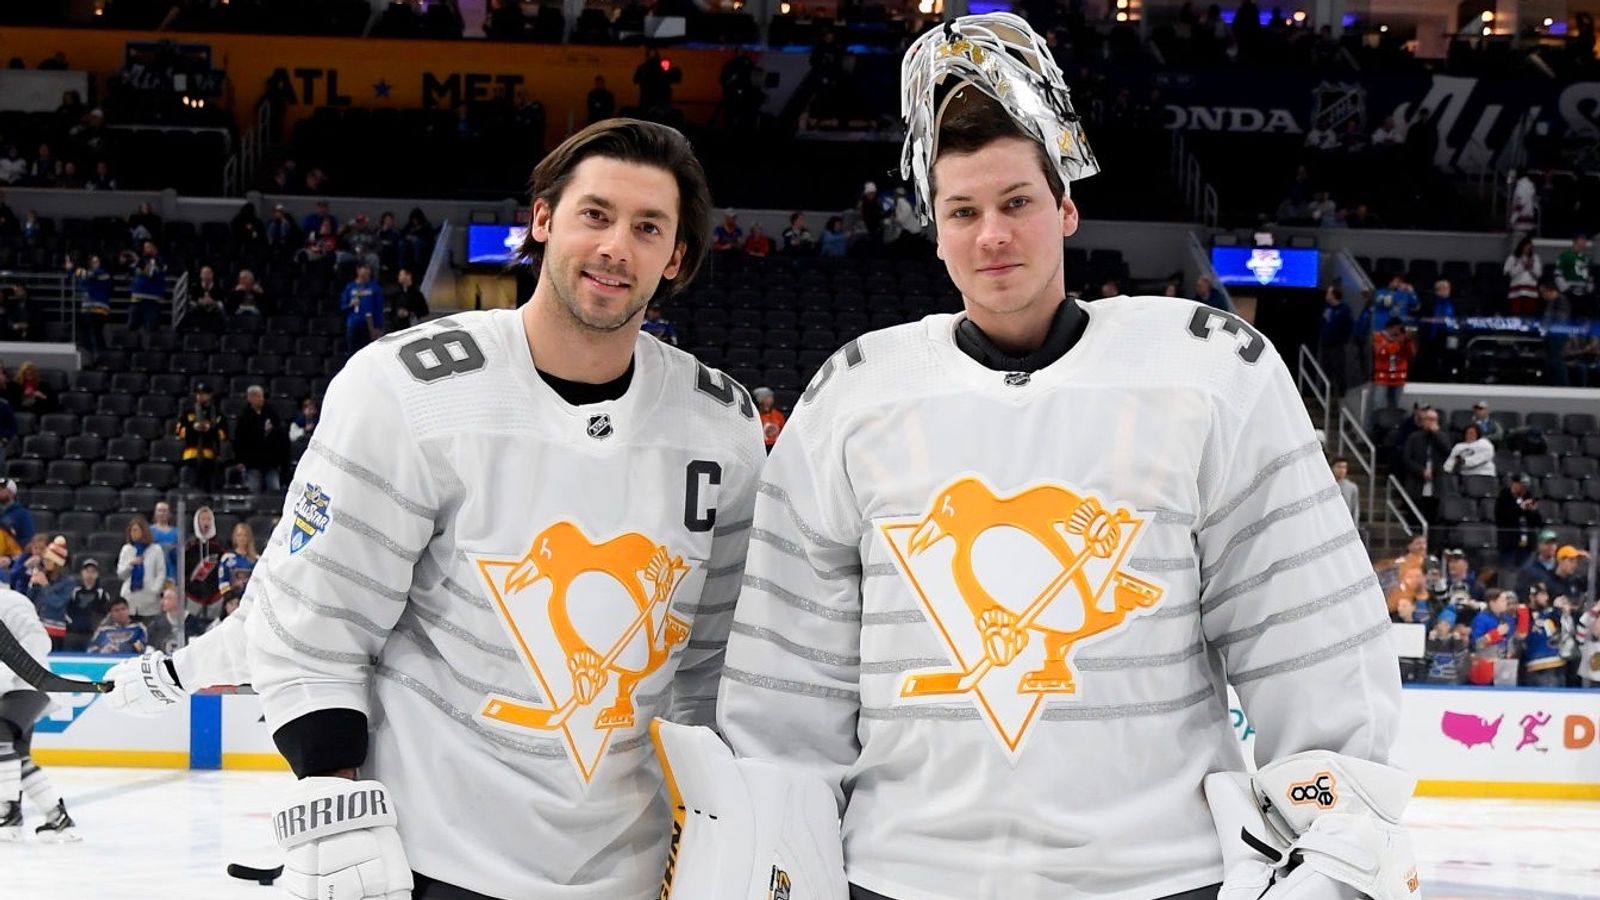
[1355,446]
[1310,376]
[180,299]
[1393,491]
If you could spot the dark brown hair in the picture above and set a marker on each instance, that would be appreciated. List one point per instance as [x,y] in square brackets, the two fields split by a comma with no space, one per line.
[644,143]
[973,120]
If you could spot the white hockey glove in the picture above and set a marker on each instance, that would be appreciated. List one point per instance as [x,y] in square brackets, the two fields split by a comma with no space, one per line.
[145,685]
[339,842]
[745,829]
[1314,826]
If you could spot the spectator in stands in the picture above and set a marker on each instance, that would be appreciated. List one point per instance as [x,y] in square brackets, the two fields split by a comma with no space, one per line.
[1333,338]
[241,557]
[119,634]
[320,245]
[1572,275]
[1348,490]
[313,221]
[772,418]
[32,397]
[51,590]
[1516,519]
[1398,300]
[1472,455]
[835,242]
[654,77]
[362,302]
[24,563]
[655,324]
[1438,338]
[283,235]
[389,240]
[359,241]
[165,628]
[410,307]
[165,534]
[1392,352]
[247,228]
[260,443]
[1412,586]
[32,228]
[16,309]
[203,429]
[1549,622]
[1424,456]
[417,244]
[247,297]
[13,168]
[142,566]
[144,224]
[9,227]
[45,170]
[88,607]
[903,227]
[71,179]
[303,426]
[728,237]
[207,285]
[1205,291]
[1543,565]
[205,314]
[1582,356]
[872,209]
[1110,288]
[1523,269]
[1390,133]
[1491,635]
[1460,587]
[1557,315]
[757,244]
[797,239]
[93,285]
[148,288]
[601,103]
[1492,430]
[202,583]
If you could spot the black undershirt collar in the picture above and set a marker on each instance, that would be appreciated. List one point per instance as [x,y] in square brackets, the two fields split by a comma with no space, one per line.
[1065,329]
[579,393]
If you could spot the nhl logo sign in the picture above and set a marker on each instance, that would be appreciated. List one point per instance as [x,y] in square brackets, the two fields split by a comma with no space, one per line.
[600,426]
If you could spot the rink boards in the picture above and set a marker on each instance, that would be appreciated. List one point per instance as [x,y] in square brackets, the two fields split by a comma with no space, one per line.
[1459,741]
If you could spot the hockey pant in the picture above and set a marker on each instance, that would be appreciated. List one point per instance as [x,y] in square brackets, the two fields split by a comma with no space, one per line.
[1206,893]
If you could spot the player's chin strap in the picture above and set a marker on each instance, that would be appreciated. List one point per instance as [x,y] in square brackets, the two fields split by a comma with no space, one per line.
[745,829]
[1314,826]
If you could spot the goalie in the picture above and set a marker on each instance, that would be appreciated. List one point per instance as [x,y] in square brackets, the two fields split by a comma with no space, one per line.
[1005,562]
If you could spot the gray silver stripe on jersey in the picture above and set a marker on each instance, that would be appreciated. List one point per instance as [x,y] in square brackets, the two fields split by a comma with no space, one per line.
[705,609]
[793,648]
[303,648]
[896,666]
[545,749]
[812,535]
[725,571]
[1053,712]
[1368,582]
[801,603]
[790,548]
[334,567]
[1173,611]
[408,629]
[461,634]
[786,686]
[270,576]
[1278,567]
[1159,516]
[1307,660]
[731,528]
[461,593]
[340,517]
[1272,468]
[879,570]
[1158,564]
[894,617]
[351,467]
[1327,494]
[1118,663]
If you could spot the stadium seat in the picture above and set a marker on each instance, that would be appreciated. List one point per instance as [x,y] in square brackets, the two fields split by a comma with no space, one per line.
[1509,419]
[90,380]
[95,498]
[264,365]
[77,402]
[141,501]
[162,406]
[1580,467]
[303,366]
[201,343]
[169,384]
[107,427]
[1475,536]
[1580,425]
[89,447]
[1478,487]
[44,521]
[1557,444]
[147,427]
[105,544]
[158,475]
[127,449]
[1559,488]
[1581,513]
[1547,422]
[78,521]
[115,405]
[50,497]
[111,474]
[1591,445]
[238,345]
[290,386]
[167,450]
[1591,489]
[1540,466]
[148,362]
[25,471]
[63,424]
[118,522]
[187,364]
[41,446]
[67,472]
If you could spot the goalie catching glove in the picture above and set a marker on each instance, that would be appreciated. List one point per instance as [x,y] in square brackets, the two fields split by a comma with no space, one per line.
[339,842]
[745,829]
[1314,826]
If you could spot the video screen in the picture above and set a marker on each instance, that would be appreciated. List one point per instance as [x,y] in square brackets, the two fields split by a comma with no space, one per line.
[493,245]
[1278,267]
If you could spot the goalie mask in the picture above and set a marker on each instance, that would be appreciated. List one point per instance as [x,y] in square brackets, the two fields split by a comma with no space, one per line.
[1000,55]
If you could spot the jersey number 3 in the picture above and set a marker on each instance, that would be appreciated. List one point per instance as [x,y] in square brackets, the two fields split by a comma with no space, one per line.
[1205,321]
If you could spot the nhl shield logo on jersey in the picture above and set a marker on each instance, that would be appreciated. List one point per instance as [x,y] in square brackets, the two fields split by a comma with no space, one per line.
[310,517]
[591,621]
[1013,586]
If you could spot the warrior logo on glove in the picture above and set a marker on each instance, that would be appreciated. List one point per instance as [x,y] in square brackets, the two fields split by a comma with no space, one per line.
[993,572]
[592,621]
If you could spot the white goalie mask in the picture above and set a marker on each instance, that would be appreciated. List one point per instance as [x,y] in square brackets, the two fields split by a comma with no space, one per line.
[1001,55]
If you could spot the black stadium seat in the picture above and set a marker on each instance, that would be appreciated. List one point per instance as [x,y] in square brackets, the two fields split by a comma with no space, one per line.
[67,472]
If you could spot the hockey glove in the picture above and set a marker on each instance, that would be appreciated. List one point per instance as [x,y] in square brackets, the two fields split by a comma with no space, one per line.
[145,685]
[339,842]
[1314,826]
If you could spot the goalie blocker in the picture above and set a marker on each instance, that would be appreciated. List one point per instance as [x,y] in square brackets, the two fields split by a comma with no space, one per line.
[1314,826]
[744,829]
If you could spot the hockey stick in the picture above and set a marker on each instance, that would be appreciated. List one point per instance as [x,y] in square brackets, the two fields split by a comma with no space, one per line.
[516,713]
[18,660]
[251,873]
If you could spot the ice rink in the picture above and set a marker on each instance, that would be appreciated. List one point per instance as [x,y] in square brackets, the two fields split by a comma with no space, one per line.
[169,835]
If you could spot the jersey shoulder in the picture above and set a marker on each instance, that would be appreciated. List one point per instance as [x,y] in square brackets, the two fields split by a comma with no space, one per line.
[1168,341]
[706,402]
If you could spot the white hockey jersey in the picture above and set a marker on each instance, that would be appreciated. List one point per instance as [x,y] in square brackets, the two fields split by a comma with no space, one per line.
[511,587]
[996,610]
[218,657]
[21,617]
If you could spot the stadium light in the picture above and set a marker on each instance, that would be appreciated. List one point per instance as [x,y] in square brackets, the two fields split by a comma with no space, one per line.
[1122,17]
[1487,31]
[1487,16]
[1384,29]
[1299,15]
[1548,22]
[784,8]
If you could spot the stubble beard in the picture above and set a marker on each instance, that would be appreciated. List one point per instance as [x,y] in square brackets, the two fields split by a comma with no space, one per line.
[566,284]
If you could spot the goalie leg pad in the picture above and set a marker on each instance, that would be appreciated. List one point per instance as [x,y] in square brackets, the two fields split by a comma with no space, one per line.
[745,829]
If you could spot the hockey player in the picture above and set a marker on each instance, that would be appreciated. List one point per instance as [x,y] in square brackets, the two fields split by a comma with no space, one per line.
[20,707]
[1004,561]
[155,682]
[516,538]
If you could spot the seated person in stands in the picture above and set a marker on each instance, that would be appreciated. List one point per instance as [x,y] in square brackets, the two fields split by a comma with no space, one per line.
[1516,518]
[119,634]
[247,297]
[1472,455]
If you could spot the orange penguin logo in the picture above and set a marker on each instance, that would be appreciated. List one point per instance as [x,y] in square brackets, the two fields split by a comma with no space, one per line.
[989,570]
[591,621]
